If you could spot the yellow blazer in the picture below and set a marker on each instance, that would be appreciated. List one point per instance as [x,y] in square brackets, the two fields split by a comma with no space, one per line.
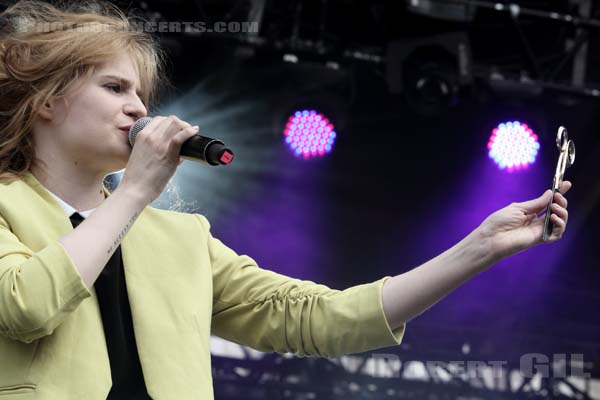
[183,285]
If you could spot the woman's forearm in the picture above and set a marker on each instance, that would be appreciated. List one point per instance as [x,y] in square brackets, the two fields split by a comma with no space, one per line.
[409,294]
[93,242]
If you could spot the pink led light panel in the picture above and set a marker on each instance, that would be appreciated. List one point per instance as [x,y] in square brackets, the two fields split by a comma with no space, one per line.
[309,134]
[513,146]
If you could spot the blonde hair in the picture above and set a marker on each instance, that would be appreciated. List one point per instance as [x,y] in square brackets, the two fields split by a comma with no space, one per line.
[46,49]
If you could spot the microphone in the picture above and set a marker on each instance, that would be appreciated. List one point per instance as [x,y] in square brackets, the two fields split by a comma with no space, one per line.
[196,148]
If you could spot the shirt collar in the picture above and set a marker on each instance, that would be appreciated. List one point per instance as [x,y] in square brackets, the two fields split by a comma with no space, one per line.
[69,209]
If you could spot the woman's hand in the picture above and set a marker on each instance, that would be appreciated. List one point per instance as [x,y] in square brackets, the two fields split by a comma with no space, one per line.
[505,232]
[155,156]
[517,226]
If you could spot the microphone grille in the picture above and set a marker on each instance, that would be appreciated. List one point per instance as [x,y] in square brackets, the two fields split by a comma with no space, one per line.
[137,128]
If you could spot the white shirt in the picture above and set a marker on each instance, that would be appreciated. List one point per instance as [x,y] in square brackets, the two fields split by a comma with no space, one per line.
[69,209]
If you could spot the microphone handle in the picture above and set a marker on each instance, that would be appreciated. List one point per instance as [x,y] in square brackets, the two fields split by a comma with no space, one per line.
[212,151]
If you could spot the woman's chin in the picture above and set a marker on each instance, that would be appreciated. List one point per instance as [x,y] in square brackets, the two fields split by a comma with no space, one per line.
[118,164]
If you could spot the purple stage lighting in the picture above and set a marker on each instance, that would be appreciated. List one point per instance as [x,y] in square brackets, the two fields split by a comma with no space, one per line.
[309,134]
[513,146]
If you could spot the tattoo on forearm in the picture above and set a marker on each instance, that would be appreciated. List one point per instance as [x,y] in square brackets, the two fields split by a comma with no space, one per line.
[123,233]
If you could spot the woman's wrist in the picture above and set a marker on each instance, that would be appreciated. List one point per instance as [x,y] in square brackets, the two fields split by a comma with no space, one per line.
[489,245]
[134,197]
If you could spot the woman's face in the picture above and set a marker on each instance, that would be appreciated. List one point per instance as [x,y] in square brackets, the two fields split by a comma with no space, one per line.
[88,132]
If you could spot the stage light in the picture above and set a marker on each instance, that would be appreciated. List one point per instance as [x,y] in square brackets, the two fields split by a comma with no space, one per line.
[430,72]
[513,146]
[309,133]
[442,10]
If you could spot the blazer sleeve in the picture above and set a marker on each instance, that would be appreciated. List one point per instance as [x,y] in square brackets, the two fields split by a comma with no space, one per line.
[272,312]
[37,290]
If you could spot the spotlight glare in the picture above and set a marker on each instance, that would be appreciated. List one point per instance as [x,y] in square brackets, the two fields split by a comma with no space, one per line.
[309,134]
[513,146]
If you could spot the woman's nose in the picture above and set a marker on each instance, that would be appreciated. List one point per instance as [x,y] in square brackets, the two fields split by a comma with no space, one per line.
[135,108]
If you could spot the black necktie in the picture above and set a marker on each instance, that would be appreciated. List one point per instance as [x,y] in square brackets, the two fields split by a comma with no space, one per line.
[76,219]
[118,329]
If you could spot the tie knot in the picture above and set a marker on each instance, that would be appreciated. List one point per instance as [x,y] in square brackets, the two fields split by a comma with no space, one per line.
[76,219]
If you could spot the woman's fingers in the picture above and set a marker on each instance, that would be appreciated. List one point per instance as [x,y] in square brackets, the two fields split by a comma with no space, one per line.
[152,125]
[559,218]
[179,122]
[559,225]
[565,186]
[561,212]
[170,131]
[170,125]
[185,134]
[561,200]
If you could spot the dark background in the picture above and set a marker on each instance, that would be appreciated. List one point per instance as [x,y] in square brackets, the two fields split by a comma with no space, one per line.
[404,181]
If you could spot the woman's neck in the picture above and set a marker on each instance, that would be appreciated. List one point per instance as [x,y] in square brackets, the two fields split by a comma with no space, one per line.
[83,192]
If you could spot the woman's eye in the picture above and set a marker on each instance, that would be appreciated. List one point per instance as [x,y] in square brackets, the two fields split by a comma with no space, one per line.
[114,88]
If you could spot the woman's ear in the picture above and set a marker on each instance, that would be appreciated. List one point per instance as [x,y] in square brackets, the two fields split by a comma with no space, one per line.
[49,109]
